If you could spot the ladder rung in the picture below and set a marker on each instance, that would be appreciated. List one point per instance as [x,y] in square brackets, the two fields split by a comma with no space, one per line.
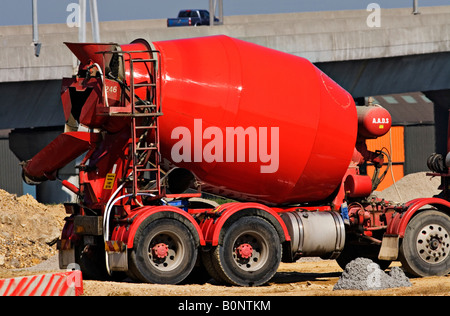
[155,191]
[146,127]
[147,169]
[147,114]
[136,114]
[145,106]
[144,85]
[144,60]
[146,148]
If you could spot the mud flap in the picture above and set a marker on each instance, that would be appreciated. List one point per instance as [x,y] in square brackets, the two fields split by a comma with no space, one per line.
[117,255]
[66,253]
[389,247]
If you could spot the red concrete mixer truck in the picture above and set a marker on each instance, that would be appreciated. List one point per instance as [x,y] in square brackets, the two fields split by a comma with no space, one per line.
[160,125]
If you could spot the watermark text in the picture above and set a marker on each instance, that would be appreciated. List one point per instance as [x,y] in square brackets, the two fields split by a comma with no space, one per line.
[374,18]
[237,144]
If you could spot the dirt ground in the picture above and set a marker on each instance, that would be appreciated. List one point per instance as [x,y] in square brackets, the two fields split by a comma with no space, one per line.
[303,278]
[310,278]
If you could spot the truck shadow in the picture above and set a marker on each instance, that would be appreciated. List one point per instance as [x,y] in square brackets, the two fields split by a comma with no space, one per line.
[282,278]
[294,277]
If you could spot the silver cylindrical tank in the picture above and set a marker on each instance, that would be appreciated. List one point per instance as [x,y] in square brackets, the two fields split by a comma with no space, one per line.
[320,234]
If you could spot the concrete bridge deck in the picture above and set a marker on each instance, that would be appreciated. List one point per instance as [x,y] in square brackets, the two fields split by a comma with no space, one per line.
[322,37]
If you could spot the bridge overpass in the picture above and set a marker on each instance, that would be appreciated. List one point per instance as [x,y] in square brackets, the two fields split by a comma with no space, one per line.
[364,60]
[407,53]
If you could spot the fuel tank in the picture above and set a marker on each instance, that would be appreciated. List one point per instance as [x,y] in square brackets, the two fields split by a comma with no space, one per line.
[253,123]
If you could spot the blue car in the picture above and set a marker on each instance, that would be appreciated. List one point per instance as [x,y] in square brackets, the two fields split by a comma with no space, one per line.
[191,18]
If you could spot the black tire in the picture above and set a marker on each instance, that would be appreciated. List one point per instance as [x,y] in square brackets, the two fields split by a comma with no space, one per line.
[248,254]
[91,260]
[210,265]
[175,263]
[425,249]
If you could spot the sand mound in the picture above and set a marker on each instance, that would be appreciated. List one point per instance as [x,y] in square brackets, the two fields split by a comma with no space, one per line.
[28,230]
[411,186]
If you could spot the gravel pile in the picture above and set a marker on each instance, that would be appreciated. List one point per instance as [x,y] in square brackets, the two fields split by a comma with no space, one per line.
[364,275]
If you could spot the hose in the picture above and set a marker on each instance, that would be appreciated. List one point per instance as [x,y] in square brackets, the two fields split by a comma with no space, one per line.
[375,179]
[106,215]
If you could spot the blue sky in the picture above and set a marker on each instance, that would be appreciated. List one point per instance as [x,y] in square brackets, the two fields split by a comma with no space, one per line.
[18,12]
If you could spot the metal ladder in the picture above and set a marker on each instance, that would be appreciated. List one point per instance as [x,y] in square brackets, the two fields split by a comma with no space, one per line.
[144,114]
[144,128]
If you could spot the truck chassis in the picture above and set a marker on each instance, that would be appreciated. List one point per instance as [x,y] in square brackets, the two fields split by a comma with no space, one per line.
[131,218]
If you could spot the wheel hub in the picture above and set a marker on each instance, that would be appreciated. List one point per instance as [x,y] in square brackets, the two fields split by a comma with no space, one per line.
[160,250]
[245,251]
[433,243]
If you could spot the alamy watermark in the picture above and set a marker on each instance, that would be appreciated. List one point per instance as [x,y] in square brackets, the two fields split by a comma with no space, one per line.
[374,18]
[73,19]
[229,147]
[374,277]
[74,279]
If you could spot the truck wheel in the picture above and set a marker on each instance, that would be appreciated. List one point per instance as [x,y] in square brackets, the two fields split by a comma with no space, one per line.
[425,249]
[249,252]
[165,252]
[91,260]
